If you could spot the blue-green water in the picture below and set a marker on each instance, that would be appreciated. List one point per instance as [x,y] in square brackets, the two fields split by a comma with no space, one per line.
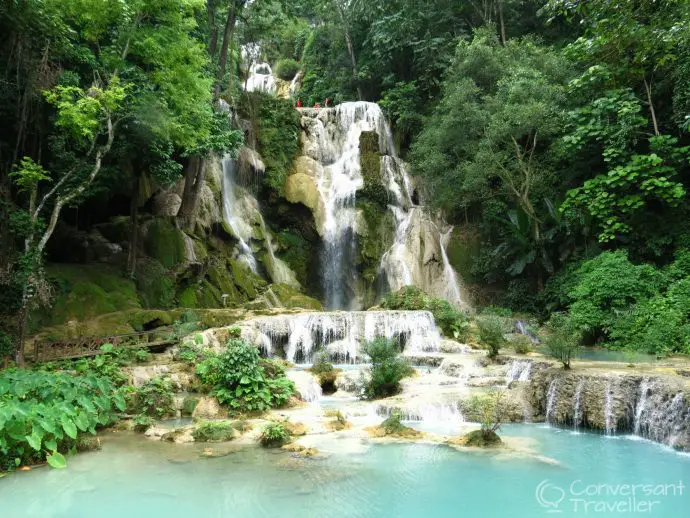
[135,478]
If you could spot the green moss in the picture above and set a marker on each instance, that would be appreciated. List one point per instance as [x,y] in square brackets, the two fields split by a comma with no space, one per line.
[215,431]
[83,292]
[155,284]
[189,404]
[297,253]
[370,163]
[292,298]
[209,296]
[117,230]
[188,298]
[483,439]
[165,243]
[148,318]
[374,240]
[245,280]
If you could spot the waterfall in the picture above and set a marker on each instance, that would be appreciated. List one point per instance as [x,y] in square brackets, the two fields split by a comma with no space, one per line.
[641,405]
[189,252]
[425,411]
[551,399]
[577,410]
[518,370]
[306,384]
[394,262]
[452,293]
[261,79]
[232,216]
[608,409]
[340,334]
[338,144]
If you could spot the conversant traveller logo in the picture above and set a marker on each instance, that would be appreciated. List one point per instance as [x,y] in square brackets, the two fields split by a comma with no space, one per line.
[600,498]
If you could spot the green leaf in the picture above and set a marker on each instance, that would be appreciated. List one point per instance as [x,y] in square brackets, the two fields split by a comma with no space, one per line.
[56,460]
[51,445]
[34,440]
[69,427]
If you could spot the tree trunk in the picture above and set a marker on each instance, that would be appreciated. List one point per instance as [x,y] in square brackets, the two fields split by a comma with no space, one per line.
[350,50]
[212,27]
[190,176]
[134,235]
[501,21]
[230,23]
[23,314]
[648,89]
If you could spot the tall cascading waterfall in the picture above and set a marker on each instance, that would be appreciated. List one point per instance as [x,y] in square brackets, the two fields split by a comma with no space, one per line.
[298,337]
[233,217]
[332,138]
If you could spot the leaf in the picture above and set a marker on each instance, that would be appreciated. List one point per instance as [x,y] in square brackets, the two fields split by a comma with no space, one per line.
[34,440]
[56,460]
[69,427]
[51,445]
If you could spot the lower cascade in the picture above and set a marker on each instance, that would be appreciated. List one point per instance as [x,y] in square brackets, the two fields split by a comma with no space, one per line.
[297,337]
[654,408]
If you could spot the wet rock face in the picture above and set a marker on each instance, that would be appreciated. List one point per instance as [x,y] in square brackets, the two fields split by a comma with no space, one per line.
[656,407]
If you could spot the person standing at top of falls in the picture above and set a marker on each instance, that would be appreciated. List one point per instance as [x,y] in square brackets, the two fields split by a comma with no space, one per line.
[299,102]
[325,103]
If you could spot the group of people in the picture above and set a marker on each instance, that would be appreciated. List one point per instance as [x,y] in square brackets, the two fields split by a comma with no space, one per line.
[315,105]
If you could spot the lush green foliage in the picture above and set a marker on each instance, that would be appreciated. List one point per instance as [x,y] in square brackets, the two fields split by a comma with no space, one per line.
[42,414]
[489,410]
[276,125]
[448,318]
[606,286]
[388,367]
[217,431]
[562,339]
[274,435]
[238,379]
[522,344]
[491,334]
[155,398]
[286,69]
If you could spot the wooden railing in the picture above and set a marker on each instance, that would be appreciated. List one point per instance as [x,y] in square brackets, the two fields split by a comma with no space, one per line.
[91,345]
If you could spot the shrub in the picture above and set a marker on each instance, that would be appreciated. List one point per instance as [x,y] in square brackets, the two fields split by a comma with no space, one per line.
[154,398]
[388,367]
[189,404]
[321,364]
[489,410]
[142,423]
[449,319]
[287,69]
[238,379]
[6,346]
[274,435]
[392,425]
[215,431]
[660,325]
[563,339]
[188,322]
[43,414]
[522,344]
[491,334]
[608,286]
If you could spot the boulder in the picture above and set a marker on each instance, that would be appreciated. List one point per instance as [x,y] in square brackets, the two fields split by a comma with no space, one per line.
[166,203]
[452,368]
[302,188]
[208,408]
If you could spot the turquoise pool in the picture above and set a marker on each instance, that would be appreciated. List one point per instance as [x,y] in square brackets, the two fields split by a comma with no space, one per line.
[132,477]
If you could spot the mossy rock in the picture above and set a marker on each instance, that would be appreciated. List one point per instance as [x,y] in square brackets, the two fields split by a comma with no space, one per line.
[370,164]
[291,298]
[117,230]
[188,298]
[373,239]
[463,249]
[165,243]
[483,439]
[155,284]
[149,319]
[297,253]
[83,292]
[215,431]
[189,403]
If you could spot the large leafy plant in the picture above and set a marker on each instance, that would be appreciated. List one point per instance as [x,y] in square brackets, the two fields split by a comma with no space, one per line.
[43,414]
[238,379]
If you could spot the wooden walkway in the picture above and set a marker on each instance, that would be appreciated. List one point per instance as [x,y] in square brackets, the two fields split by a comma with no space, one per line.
[91,345]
